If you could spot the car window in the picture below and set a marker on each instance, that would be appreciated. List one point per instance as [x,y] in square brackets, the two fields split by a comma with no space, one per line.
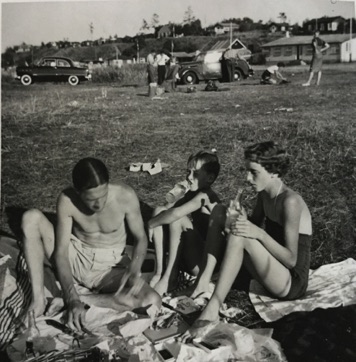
[48,62]
[212,57]
[63,63]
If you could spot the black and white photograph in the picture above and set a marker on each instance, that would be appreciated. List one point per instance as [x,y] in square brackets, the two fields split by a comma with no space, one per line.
[178,181]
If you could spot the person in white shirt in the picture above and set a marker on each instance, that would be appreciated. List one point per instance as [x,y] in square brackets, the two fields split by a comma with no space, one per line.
[272,75]
[162,60]
[151,67]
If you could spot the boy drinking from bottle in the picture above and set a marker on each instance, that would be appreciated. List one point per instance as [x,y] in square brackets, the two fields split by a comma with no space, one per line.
[187,220]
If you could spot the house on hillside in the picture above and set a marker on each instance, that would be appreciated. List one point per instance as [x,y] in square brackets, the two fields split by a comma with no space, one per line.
[278,27]
[325,24]
[164,32]
[299,48]
[225,28]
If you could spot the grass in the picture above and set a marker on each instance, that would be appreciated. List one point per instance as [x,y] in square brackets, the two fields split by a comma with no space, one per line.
[46,128]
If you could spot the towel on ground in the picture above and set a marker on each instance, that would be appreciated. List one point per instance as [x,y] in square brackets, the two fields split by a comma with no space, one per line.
[330,286]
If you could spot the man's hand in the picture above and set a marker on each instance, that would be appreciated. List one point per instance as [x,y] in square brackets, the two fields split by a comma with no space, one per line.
[133,282]
[76,315]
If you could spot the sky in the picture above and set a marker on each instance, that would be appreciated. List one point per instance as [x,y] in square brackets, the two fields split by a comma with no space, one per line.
[44,21]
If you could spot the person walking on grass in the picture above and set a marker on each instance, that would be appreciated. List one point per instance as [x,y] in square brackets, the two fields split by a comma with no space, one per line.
[87,245]
[187,220]
[319,46]
[278,255]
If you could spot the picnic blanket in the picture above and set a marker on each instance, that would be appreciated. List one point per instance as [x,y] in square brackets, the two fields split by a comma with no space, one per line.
[330,286]
[121,335]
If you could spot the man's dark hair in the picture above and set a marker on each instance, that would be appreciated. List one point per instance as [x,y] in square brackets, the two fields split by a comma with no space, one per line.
[280,64]
[89,173]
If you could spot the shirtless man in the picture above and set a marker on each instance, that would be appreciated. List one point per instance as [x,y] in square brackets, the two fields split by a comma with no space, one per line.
[87,246]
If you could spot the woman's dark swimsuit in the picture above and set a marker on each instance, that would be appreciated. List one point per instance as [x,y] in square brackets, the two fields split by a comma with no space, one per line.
[300,273]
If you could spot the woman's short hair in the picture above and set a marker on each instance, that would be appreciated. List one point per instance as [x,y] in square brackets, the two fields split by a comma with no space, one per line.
[89,173]
[281,65]
[209,160]
[269,155]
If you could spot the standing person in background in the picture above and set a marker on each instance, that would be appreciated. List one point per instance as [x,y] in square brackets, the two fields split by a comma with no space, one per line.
[228,64]
[319,46]
[151,67]
[162,59]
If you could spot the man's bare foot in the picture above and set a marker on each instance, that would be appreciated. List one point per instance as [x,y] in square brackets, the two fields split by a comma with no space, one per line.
[156,278]
[39,306]
[161,287]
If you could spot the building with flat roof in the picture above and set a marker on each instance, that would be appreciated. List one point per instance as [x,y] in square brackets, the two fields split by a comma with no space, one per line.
[342,48]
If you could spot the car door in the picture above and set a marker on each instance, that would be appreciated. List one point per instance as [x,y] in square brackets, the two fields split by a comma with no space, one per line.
[212,65]
[65,69]
[46,70]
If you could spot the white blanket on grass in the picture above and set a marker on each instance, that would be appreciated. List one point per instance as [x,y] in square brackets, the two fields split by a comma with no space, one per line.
[330,286]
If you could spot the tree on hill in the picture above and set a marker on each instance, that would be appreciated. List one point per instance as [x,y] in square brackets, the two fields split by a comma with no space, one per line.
[154,20]
[282,17]
[144,25]
[193,28]
[188,16]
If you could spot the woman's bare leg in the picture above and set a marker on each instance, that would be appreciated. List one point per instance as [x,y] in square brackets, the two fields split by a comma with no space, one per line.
[274,275]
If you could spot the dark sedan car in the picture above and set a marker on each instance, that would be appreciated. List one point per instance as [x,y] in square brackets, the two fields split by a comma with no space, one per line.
[53,69]
[207,66]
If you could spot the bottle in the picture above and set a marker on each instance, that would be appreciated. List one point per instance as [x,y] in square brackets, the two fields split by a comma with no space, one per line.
[234,210]
[178,191]
[32,333]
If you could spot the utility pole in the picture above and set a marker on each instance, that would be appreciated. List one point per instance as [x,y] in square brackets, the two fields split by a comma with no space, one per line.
[350,39]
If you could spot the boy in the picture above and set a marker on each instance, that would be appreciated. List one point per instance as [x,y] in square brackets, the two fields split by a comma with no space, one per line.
[272,75]
[278,255]
[88,245]
[188,221]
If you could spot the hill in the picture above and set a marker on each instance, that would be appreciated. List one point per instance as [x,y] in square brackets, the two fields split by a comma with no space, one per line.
[128,50]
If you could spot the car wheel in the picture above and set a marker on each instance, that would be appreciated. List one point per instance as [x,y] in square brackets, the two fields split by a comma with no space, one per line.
[237,75]
[73,80]
[190,78]
[26,79]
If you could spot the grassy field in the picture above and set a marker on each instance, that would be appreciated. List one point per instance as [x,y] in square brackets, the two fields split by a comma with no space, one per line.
[46,128]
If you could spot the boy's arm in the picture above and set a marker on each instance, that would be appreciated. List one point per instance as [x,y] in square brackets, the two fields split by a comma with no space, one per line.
[173,214]
[63,232]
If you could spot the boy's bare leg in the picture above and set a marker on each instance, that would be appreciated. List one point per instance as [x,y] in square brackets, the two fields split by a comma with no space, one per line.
[214,251]
[38,241]
[175,232]
[158,238]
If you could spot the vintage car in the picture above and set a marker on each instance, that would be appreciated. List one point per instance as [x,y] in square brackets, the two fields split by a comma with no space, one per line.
[53,69]
[207,66]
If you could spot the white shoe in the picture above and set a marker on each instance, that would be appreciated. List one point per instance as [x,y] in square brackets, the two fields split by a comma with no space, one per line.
[306,85]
